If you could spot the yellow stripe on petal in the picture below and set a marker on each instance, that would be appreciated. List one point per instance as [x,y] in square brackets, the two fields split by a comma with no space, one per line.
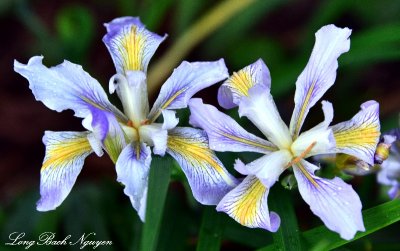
[360,135]
[365,135]
[207,177]
[197,153]
[62,150]
[65,155]
[132,46]
[245,209]
[239,84]
[247,204]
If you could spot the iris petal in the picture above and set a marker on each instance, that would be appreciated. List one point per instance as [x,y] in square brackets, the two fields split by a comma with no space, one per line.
[333,201]
[185,81]
[240,82]
[66,86]
[247,204]
[360,135]
[320,72]
[130,44]
[260,108]
[65,154]
[267,168]
[208,178]
[224,133]
[133,166]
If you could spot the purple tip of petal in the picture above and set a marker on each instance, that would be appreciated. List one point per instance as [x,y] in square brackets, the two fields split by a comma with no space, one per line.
[370,103]
[100,123]
[225,97]
[115,25]
[394,192]
[275,222]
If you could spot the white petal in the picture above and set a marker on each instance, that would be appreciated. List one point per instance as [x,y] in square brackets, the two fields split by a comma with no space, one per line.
[260,108]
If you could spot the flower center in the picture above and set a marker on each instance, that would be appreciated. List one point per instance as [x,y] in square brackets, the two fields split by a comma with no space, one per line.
[302,155]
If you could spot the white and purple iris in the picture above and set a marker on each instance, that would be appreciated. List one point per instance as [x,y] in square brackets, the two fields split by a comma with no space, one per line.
[126,136]
[334,201]
[389,174]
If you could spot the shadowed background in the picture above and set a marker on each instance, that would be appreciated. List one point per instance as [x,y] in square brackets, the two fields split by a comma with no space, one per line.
[279,32]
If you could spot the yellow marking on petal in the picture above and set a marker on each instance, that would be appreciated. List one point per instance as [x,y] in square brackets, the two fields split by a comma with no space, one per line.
[62,152]
[196,152]
[245,210]
[364,135]
[307,175]
[132,46]
[167,103]
[249,142]
[241,81]
[303,110]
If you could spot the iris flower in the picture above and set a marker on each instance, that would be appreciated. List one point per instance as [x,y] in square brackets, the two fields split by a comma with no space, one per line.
[129,137]
[334,201]
[389,174]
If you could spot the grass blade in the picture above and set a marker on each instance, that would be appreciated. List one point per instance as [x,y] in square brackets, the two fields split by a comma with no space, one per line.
[157,192]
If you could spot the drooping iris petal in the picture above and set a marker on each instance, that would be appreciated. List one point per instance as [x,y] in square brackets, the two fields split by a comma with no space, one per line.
[267,168]
[320,72]
[133,166]
[130,44]
[185,81]
[260,108]
[208,178]
[360,135]
[334,201]
[224,133]
[247,204]
[240,82]
[107,131]
[319,138]
[65,154]
[154,135]
[65,86]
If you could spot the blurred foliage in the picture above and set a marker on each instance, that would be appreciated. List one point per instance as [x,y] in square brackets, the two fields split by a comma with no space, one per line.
[73,31]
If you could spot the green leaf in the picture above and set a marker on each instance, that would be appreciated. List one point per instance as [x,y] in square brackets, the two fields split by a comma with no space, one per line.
[210,231]
[374,219]
[288,235]
[157,192]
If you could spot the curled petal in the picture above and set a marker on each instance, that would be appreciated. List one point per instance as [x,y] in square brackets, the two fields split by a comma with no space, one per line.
[240,82]
[133,166]
[170,119]
[268,168]
[107,132]
[247,204]
[260,108]
[65,86]
[208,178]
[154,135]
[185,81]
[333,201]
[65,154]
[320,72]
[224,133]
[130,44]
[360,135]
[319,138]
